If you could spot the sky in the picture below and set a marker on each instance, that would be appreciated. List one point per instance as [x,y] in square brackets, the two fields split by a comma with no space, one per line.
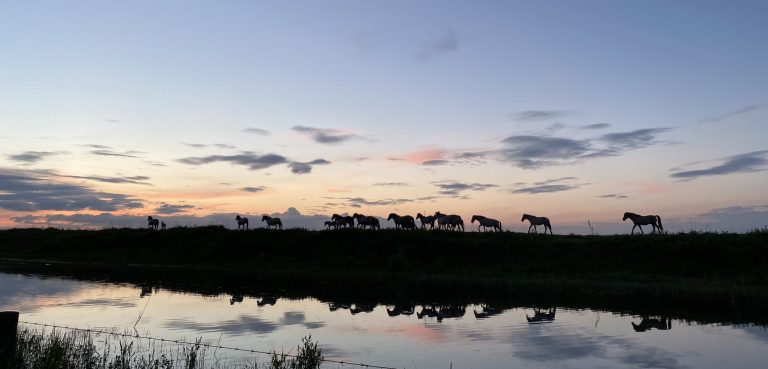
[196,111]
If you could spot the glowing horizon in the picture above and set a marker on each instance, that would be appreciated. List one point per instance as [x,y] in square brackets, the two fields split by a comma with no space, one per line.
[561,110]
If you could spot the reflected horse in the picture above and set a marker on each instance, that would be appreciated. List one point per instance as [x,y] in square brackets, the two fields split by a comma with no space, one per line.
[641,220]
[236,298]
[267,300]
[647,323]
[539,316]
[401,310]
[487,312]
[537,221]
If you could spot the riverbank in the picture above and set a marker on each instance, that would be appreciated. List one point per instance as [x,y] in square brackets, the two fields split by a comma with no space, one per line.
[716,272]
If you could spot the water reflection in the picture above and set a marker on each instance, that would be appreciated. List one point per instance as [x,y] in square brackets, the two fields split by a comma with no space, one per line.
[402,332]
[647,323]
[541,316]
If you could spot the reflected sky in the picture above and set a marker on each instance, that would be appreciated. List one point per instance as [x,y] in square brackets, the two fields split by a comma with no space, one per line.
[574,339]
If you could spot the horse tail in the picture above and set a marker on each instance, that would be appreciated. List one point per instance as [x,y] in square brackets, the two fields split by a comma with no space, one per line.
[658,218]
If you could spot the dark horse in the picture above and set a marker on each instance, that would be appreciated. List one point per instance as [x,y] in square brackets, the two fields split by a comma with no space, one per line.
[641,220]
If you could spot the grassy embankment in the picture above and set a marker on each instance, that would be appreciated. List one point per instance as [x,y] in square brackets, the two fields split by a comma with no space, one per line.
[730,261]
[36,349]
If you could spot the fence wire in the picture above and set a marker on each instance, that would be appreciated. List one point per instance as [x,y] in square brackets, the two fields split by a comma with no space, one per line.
[208,345]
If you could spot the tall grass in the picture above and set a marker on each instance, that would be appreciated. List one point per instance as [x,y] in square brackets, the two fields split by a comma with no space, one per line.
[68,349]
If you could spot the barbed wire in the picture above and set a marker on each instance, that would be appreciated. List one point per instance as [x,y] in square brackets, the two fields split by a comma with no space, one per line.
[208,345]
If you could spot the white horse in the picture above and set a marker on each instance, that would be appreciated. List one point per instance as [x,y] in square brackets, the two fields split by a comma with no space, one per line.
[429,219]
[152,223]
[641,220]
[486,223]
[405,221]
[537,221]
[272,222]
[242,223]
[366,221]
[452,222]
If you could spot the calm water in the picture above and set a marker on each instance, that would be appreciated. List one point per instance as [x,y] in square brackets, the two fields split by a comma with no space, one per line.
[503,339]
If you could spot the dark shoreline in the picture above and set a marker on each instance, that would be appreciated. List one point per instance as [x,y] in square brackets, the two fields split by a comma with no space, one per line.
[722,279]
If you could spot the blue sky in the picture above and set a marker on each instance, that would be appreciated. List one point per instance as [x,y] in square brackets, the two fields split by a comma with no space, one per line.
[496,108]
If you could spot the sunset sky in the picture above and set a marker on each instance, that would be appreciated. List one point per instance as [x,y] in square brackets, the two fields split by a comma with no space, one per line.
[195,111]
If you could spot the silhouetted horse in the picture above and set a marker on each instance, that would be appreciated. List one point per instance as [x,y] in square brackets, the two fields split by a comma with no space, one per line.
[405,221]
[537,221]
[647,323]
[452,222]
[343,221]
[366,221]
[486,223]
[540,316]
[443,312]
[487,312]
[162,225]
[641,220]
[429,219]
[242,223]
[272,222]
[152,223]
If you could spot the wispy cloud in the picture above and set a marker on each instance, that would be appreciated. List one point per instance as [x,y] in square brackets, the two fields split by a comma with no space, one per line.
[743,163]
[200,146]
[437,46]
[256,162]
[31,157]
[167,209]
[532,151]
[326,136]
[110,152]
[731,114]
[257,131]
[613,196]
[303,168]
[539,115]
[140,180]
[596,126]
[254,189]
[25,190]
[547,186]
[391,184]
[455,188]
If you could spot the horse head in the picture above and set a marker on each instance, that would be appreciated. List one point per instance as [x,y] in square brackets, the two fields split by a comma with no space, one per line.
[149,218]
[475,217]
[525,216]
[356,215]
[438,214]
[266,217]
[392,215]
[238,217]
[627,215]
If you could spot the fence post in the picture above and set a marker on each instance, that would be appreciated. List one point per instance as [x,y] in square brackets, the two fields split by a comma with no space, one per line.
[8,322]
